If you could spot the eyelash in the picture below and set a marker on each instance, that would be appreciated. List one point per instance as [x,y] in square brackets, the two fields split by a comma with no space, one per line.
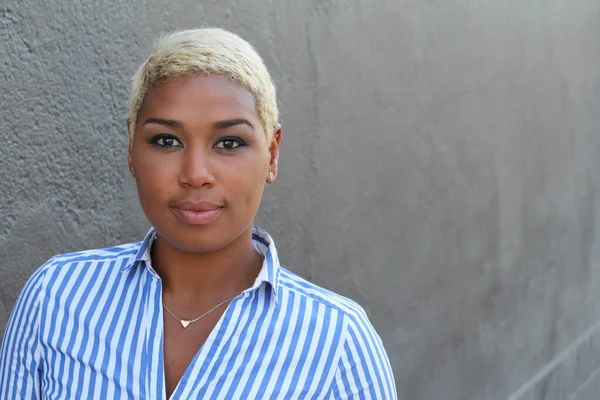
[156,141]
[240,143]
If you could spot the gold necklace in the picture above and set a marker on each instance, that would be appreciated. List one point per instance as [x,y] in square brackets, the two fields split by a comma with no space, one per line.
[186,322]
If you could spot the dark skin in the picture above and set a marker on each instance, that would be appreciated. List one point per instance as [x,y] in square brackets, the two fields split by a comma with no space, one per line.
[199,139]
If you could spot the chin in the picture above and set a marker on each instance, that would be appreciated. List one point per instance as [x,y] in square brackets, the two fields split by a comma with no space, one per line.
[199,239]
[195,246]
[192,241]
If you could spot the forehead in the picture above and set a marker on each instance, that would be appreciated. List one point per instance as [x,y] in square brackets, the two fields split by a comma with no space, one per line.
[199,97]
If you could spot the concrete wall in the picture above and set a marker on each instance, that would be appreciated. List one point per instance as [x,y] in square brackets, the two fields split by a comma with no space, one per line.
[439,166]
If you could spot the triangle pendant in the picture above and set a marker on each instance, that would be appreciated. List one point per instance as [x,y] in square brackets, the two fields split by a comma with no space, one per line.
[184,323]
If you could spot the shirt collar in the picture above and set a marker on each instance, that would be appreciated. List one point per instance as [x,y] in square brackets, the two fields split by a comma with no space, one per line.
[263,244]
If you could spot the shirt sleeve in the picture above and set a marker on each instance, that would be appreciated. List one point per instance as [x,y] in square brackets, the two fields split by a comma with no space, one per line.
[364,370]
[20,351]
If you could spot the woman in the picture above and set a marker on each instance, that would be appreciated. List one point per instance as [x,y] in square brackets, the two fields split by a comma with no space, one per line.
[201,307]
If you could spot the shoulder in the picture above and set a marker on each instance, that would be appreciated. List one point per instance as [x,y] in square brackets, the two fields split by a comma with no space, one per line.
[77,265]
[58,276]
[289,281]
[127,250]
[363,366]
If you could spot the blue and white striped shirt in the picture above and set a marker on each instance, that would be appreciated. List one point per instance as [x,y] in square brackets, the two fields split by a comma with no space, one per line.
[89,325]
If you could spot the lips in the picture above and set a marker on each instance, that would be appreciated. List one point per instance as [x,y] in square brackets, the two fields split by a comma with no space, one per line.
[197,213]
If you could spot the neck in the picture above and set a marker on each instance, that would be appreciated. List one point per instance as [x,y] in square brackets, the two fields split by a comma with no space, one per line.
[206,278]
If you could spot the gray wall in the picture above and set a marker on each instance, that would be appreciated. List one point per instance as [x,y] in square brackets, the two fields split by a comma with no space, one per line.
[439,166]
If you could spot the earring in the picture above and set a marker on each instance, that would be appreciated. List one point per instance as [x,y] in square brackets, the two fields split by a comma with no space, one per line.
[270,176]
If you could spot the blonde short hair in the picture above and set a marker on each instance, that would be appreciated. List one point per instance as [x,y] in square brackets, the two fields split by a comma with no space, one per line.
[207,51]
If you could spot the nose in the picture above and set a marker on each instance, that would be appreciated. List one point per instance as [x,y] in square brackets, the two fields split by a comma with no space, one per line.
[196,171]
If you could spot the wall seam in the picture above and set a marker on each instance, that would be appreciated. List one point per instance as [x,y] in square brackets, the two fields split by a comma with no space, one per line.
[549,367]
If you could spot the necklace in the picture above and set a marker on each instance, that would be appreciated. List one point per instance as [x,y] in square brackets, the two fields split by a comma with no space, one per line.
[186,322]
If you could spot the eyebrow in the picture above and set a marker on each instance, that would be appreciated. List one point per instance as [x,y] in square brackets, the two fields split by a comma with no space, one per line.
[168,122]
[232,122]
[217,125]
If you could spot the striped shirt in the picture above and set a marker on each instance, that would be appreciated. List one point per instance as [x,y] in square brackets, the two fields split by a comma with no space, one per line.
[89,325]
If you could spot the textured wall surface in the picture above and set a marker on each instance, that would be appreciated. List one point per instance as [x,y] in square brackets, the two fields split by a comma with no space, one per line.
[440,166]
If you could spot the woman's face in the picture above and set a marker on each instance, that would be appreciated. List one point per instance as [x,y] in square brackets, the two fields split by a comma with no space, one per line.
[200,159]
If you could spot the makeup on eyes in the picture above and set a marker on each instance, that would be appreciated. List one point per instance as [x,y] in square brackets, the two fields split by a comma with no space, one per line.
[227,143]
[237,141]
[165,140]
[226,135]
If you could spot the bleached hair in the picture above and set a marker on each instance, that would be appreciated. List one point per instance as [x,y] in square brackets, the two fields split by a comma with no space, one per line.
[207,51]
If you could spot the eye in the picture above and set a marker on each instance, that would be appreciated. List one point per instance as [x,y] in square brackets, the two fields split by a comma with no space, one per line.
[229,143]
[166,141]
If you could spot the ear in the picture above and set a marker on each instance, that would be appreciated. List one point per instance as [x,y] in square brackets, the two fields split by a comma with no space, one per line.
[129,156]
[274,153]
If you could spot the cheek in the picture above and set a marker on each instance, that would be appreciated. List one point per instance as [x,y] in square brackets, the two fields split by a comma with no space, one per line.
[151,193]
[155,177]
[245,184]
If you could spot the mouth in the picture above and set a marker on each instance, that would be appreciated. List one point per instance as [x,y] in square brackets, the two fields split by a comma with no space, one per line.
[193,213]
